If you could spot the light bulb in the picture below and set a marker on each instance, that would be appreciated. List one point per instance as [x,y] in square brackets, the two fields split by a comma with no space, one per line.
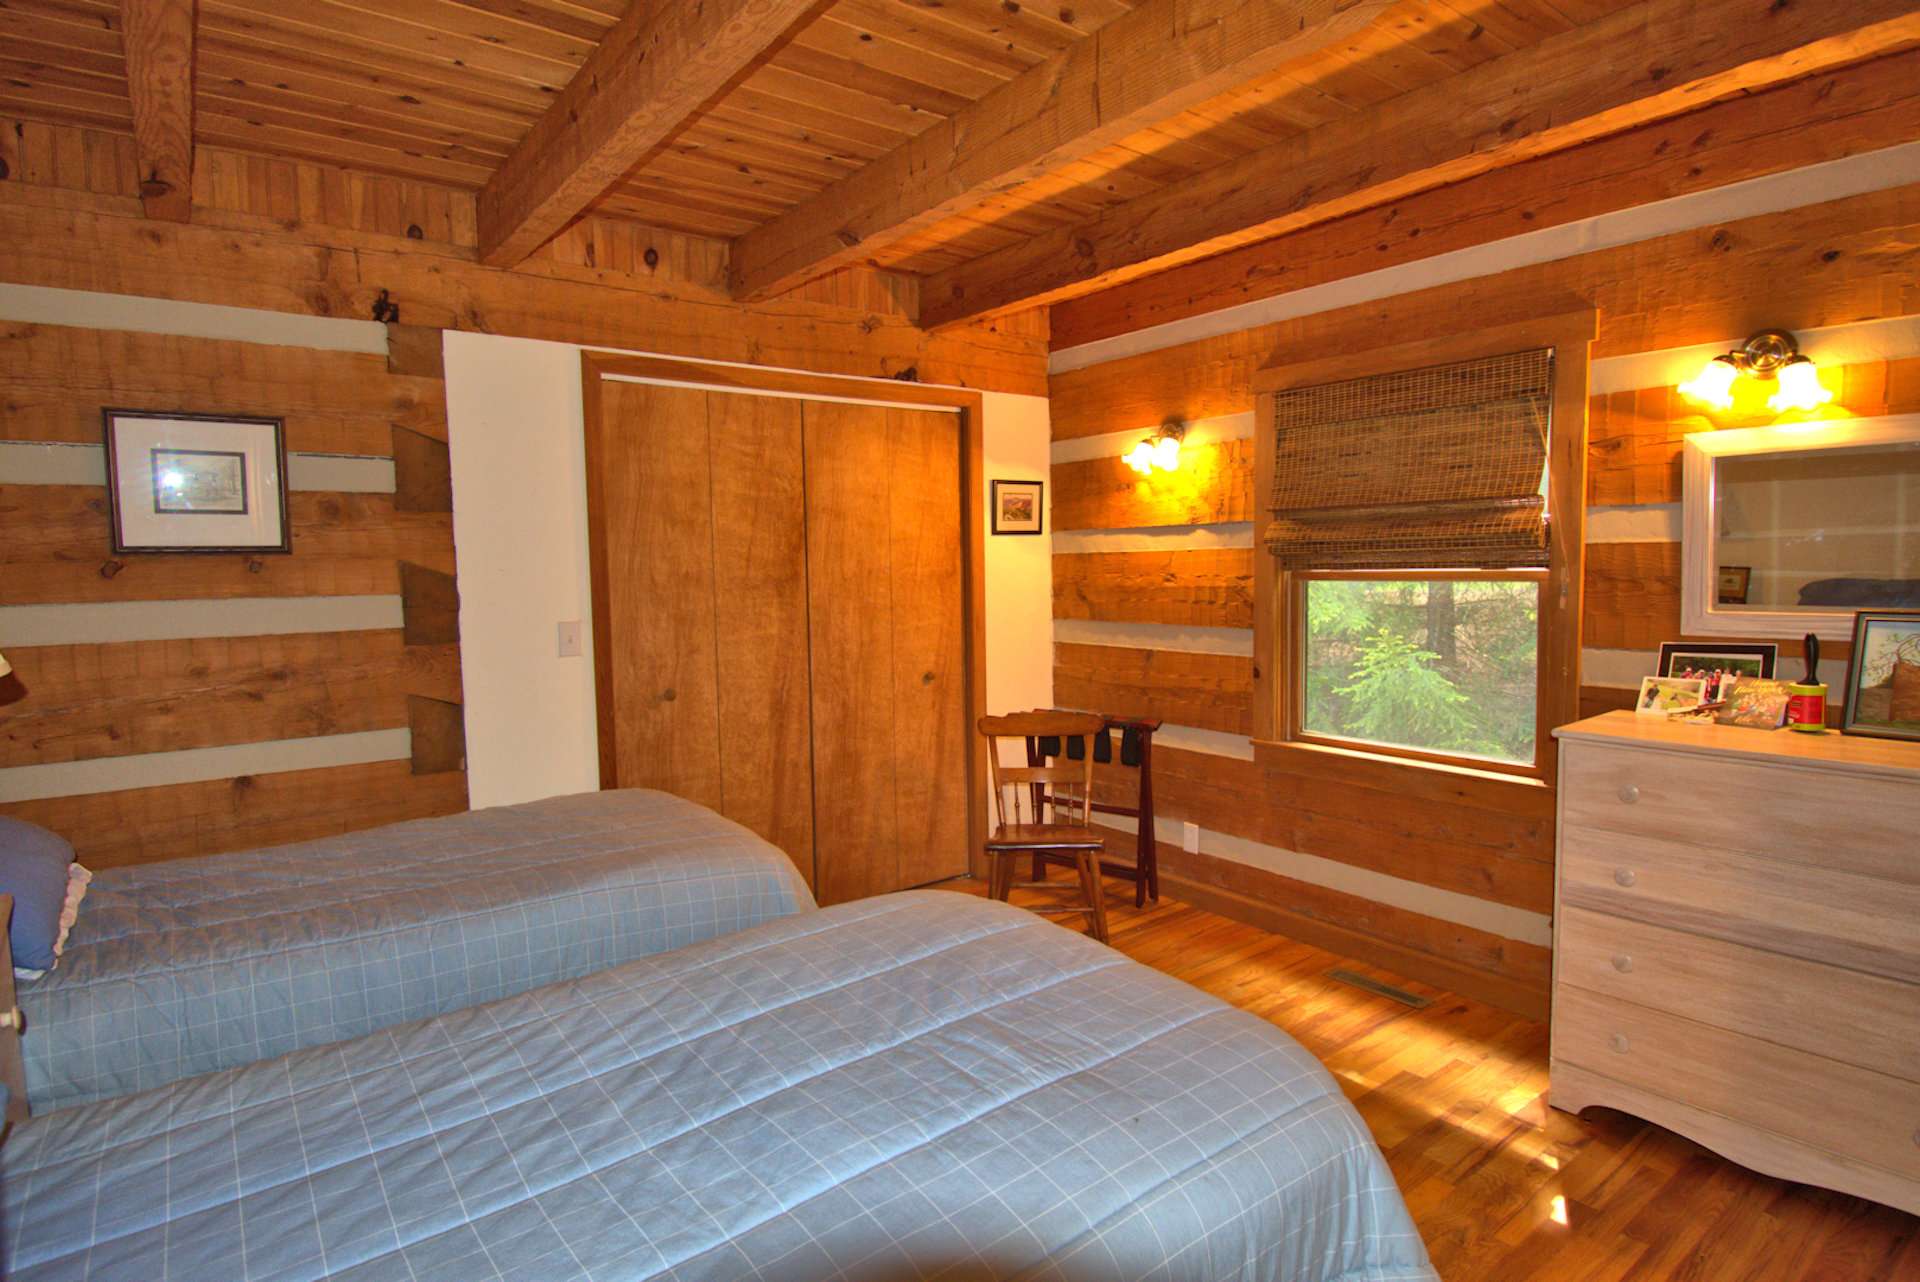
[1713,385]
[1140,457]
[1799,388]
[1166,453]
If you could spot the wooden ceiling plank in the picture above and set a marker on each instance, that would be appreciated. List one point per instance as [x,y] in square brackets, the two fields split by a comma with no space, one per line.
[656,68]
[1653,60]
[1039,31]
[61,106]
[774,130]
[903,52]
[159,53]
[672,215]
[786,85]
[447,19]
[929,103]
[248,135]
[242,77]
[393,70]
[568,20]
[375,35]
[364,127]
[1143,67]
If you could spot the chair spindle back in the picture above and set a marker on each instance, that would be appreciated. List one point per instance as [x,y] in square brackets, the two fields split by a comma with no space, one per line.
[1023,794]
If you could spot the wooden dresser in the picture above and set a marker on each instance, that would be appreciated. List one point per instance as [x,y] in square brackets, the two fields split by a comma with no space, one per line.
[1737,944]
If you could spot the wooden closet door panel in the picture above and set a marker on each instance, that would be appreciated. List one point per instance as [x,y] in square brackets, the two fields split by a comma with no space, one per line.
[850,624]
[931,736]
[760,612]
[658,534]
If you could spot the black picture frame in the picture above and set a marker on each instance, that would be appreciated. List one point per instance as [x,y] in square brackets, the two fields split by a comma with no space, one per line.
[1850,722]
[1039,507]
[1768,653]
[117,502]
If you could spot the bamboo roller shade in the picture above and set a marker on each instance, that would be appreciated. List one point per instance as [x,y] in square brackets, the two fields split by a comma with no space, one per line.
[1427,468]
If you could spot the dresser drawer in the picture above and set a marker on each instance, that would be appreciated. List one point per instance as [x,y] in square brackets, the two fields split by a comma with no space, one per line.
[1864,1020]
[1819,914]
[1856,823]
[1859,1114]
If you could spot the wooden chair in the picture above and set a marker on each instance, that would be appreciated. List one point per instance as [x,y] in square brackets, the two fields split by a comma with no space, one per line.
[1136,753]
[1057,828]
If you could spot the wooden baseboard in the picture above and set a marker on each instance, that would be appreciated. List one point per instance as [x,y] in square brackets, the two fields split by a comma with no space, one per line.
[1363,930]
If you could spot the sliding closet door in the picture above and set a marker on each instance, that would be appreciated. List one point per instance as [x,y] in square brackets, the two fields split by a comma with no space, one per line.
[885,586]
[850,621]
[703,523]
[657,531]
[760,620]
[930,731]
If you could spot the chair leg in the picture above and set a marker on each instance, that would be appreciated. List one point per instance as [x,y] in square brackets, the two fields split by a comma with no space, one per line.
[1039,868]
[1089,862]
[996,867]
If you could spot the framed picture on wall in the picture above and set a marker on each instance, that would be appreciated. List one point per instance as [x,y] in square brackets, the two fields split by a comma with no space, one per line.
[182,482]
[1018,507]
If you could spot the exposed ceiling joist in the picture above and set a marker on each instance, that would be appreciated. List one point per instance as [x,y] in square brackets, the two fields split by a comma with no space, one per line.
[663,62]
[158,39]
[1144,67]
[1646,63]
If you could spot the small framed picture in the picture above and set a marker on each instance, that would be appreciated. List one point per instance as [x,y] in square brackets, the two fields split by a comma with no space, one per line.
[1017,507]
[1883,676]
[197,482]
[1665,696]
[1734,580]
[1716,663]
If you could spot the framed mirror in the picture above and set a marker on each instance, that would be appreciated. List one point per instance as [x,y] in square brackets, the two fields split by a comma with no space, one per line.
[1790,529]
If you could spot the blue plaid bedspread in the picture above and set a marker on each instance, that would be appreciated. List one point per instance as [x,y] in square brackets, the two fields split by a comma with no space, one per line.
[192,965]
[922,1085]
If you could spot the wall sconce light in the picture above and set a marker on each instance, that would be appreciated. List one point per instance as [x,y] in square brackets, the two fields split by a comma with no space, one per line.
[1161,450]
[1769,354]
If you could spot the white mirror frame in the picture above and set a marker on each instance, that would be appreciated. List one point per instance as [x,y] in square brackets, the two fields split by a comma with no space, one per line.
[1700,614]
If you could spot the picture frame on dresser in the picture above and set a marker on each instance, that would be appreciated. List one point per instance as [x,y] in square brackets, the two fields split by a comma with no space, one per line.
[189,482]
[1883,676]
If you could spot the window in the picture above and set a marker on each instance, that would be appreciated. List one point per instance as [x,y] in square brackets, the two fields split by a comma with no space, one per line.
[1422,663]
[1418,603]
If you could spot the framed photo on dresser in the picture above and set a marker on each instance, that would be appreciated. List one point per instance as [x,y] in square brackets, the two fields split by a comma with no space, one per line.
[180,482]
[1883,676]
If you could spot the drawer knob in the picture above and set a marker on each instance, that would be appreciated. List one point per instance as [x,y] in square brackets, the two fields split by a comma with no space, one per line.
[1629,792]
[1624,876]
[1620,1044]
[1622,963]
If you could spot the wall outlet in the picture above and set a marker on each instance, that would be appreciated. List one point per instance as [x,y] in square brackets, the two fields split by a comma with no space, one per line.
[1190,838]
[570,639]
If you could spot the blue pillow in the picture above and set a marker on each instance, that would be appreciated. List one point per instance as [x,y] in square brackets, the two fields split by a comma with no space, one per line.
[33,869]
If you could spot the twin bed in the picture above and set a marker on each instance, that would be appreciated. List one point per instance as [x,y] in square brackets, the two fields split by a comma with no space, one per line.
[917,1085]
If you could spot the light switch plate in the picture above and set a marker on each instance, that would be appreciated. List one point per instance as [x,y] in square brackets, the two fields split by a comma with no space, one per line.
[1190,838]
[570,639]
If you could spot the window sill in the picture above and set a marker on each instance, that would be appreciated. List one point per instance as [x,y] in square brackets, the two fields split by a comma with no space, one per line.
[1374,770]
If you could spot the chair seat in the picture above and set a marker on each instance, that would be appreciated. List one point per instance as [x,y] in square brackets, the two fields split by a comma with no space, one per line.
[1045,837]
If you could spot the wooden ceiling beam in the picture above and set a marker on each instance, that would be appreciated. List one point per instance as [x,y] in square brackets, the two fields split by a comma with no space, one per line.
[1148,65]
[1654,60]
[158,39]
[657,67]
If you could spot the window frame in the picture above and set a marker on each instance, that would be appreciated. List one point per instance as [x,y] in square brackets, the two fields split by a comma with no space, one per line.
[1278,638]
[1292,600]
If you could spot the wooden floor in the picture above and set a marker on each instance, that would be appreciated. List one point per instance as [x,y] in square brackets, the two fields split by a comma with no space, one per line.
[1503,1187]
